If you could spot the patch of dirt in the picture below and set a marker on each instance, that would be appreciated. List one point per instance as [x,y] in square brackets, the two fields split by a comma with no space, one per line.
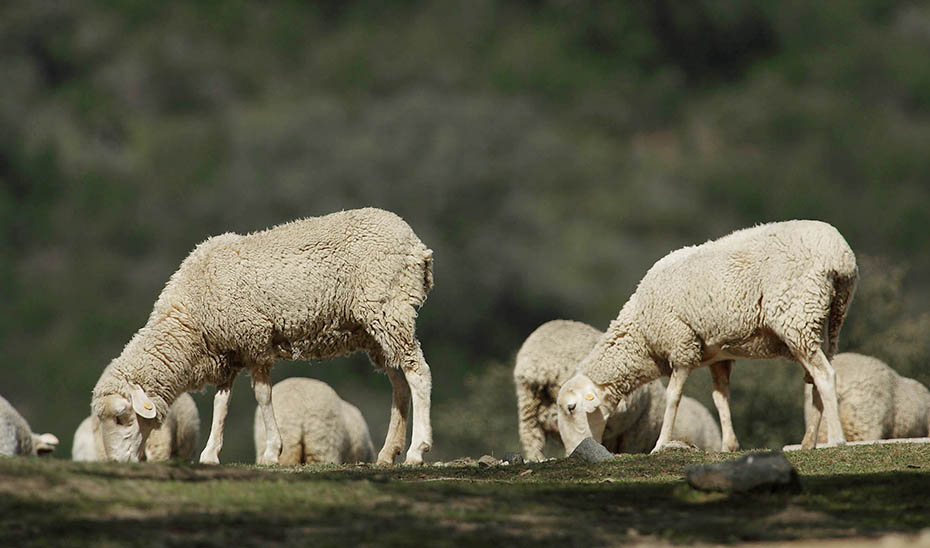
[796,514]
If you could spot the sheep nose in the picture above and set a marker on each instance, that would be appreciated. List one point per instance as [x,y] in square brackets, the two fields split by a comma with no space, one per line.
[571,407]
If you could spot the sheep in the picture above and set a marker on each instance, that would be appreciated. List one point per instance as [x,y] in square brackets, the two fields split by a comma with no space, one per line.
[547,359]
[874,401]
[316,425]
[176,438]
[312,288]
[17,438]
[761,292]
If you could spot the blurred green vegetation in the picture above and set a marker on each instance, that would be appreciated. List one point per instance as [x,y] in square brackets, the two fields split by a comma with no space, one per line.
[549,151]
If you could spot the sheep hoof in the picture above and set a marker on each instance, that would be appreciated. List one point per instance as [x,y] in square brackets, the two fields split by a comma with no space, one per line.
[730,447]
[386,456]
[268,460]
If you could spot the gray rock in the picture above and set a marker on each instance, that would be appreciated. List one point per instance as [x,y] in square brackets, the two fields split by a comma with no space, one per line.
[513,458]
[487,460]
[591,451]
[758,472]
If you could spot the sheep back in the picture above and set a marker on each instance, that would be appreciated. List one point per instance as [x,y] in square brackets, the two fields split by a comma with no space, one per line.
[732,294]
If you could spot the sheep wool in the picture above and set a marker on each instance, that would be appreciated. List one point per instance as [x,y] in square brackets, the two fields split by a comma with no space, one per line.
[17,438]
[875,402]
[549,357]
[175,438]
[312,288]
[762,292]
[316,425]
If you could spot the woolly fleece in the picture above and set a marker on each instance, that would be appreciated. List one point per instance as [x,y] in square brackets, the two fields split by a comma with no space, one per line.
[875,402]
[312,288]
[549,357]
[17,438]
[317,426]
[761,292]
[176,438]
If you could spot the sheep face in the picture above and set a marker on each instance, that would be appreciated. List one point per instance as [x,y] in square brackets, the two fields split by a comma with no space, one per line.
[580,414]
[125,424]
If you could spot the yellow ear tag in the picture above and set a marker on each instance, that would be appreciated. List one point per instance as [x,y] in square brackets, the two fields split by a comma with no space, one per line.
[147,405]
[589,397]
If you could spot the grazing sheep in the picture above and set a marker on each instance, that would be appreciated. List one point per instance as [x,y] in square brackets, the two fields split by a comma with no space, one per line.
[312,288]
[316,425]
[762,292]
[548,358]
[16,438]
[875,402]
[176,438]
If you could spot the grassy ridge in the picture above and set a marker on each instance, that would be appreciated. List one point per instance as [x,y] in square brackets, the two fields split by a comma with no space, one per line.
[848,492]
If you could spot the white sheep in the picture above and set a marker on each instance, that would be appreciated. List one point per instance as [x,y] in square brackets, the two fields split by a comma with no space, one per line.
[316,425]
[761,292]
[548,358]
[875,402]
[175,438]
[312,288]
[17,438]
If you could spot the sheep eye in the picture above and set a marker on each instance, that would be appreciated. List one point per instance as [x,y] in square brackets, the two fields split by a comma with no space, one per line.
[124,419]
[571,407]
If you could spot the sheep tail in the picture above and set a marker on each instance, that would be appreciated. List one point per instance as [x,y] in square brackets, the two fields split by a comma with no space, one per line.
[844,287]
[427,258]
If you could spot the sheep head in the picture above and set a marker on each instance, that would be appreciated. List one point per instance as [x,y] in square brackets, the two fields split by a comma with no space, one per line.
[580,412]
[44,443]
[125,423]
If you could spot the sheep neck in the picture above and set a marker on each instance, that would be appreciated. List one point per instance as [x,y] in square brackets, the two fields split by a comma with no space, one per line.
[162,358]
[621,361]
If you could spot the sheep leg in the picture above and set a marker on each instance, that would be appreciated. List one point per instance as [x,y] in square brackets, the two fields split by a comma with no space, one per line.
[419,379]
[397,428]
[532,435]
[812,432]
[720,372]
[676,384]
[824,378]
[211,453]
[261,385]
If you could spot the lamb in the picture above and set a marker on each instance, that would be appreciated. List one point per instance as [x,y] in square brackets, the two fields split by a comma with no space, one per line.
[316,425]
[17,438]
[761,292]
[874,401]
[176,438]
[547,359]
[311,288]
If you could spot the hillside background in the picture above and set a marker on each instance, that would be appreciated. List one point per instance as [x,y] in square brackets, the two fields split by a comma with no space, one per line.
[549,152]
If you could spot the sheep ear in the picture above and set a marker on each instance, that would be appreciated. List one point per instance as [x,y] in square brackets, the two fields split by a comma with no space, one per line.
[141,403]
[591,401]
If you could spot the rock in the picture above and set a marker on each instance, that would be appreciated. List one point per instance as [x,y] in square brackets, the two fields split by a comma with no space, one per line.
[513,458]
[681,445]
[591,451]
[758,472]
[463,461]
[487,461]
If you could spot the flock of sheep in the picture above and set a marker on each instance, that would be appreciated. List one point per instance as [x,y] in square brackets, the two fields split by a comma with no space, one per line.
[354,281]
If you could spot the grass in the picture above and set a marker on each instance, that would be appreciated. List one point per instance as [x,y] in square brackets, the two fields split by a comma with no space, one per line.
[849,493]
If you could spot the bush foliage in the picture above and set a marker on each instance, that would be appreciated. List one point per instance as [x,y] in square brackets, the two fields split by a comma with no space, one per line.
[548,151]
